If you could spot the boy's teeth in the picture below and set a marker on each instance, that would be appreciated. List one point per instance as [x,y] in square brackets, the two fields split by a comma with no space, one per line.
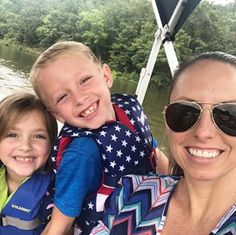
[204,153]
[89,111]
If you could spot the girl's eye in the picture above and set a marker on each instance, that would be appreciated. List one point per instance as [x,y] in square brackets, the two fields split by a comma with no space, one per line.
[84,80]
[11,135]
[40,136]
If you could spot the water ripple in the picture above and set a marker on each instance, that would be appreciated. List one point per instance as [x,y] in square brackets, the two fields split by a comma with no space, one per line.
[11,80]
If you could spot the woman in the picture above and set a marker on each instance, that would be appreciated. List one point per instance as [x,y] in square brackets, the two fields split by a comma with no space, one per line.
[199,197]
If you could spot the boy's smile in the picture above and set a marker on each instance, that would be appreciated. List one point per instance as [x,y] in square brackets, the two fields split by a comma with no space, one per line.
[76,91]
[88,113]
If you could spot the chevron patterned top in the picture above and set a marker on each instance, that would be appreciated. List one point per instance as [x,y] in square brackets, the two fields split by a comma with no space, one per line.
[139,207]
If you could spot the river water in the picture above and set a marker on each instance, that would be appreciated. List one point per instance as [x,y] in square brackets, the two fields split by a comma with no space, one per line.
[15,65]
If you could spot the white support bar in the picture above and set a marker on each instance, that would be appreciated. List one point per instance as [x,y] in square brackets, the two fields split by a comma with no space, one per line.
[171,56]
[157,15]
[176,14]
[160,35]
[146,73]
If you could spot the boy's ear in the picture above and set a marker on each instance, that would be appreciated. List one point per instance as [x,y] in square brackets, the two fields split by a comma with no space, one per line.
[107,75]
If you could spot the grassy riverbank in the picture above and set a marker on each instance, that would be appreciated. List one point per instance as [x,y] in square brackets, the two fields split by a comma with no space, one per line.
[33,50]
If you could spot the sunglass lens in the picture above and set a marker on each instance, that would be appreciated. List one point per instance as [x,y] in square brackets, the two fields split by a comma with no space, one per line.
[225,118]
[182,116]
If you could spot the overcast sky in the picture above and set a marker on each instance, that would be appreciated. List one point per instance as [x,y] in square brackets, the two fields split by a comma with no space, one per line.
[223,2]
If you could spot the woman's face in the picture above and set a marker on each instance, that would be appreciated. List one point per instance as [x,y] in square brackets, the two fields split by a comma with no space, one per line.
[204,152]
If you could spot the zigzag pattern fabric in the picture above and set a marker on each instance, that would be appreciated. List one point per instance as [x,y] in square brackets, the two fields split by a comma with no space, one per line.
[139,207]
[140,203]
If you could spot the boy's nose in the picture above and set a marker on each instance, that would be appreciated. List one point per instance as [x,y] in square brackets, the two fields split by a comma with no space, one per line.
[80,98]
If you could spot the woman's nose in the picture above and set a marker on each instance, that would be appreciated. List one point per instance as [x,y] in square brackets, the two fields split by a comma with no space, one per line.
[205,127]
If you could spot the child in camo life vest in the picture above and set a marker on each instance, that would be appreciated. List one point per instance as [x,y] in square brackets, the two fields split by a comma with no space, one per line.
[27,134]
[103,137]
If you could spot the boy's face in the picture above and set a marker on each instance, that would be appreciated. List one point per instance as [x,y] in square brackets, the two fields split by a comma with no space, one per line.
[76,90]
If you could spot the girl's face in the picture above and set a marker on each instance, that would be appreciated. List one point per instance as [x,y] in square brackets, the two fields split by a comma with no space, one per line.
[204,152]
[26,147]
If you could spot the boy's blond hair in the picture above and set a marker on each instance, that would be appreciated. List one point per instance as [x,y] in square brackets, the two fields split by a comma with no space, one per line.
[55,52]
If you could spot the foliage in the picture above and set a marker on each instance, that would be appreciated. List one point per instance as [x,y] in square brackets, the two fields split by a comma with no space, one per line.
[121,32]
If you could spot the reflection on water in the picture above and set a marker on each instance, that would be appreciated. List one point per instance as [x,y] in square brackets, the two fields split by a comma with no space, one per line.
[11,80]
[19,61]
[15,66]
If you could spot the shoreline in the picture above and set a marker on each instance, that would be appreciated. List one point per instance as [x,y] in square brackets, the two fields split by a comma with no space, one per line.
[32,50]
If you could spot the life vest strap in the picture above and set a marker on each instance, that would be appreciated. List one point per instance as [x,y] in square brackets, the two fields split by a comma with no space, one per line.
[21,224]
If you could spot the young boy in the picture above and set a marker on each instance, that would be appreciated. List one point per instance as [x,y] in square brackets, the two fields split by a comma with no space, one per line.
[102,138]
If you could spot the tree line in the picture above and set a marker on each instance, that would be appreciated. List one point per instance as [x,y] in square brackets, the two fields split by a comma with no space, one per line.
[121,32]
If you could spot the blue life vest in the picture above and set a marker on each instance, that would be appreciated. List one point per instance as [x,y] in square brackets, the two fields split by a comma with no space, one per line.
[125,149]
[30,207]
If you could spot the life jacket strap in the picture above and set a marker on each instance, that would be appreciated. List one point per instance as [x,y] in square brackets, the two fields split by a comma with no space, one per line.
[21,224]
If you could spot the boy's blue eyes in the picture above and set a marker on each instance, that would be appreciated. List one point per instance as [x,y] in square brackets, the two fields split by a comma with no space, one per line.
[61,98]
[81,82]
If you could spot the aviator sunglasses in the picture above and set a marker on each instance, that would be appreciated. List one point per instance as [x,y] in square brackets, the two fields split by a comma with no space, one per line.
[183,115]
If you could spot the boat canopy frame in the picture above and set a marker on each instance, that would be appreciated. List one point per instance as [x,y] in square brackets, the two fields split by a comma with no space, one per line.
[170,15]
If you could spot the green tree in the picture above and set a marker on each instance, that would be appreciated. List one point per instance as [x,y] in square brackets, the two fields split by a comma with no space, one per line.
[122,32]
[91,30]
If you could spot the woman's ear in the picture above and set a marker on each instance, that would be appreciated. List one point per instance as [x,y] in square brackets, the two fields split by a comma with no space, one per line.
[107,75]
